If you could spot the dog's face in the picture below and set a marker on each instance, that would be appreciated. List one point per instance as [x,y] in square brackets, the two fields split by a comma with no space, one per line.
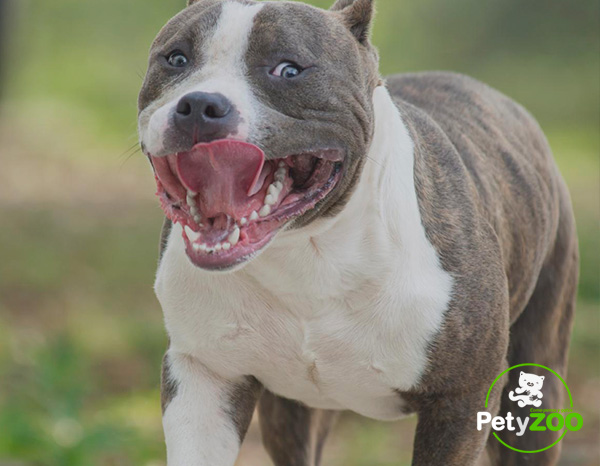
[257,116]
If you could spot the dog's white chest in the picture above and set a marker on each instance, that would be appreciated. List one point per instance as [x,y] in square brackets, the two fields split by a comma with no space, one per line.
[329,339]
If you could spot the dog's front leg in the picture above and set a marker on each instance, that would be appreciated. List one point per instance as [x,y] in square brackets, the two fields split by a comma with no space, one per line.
[447,432]
[205,417]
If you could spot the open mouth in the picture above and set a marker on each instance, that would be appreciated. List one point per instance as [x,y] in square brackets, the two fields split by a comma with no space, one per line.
[231,201]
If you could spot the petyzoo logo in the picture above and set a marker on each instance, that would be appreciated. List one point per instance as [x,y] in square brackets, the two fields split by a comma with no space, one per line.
[529,393]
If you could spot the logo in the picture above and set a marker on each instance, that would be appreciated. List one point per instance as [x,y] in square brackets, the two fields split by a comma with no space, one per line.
[540,418]
[529,391]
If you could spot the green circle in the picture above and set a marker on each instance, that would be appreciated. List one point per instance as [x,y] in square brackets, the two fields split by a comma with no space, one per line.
[561,422]
[570,401]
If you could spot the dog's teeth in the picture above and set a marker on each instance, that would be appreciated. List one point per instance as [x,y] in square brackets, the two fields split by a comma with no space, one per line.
[226,246]
[280,175]
[254,215]
[266,210]
[192,235]
[278,185]
[282,164]
[218,247]
[270,200]
[243,221]
[234,237]
[198,219]
[192,193]
[194,211]
[273,191]
[191,201]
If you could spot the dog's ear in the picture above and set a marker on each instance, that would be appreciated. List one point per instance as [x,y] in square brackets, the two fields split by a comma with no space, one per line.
[357,15]
[341,4]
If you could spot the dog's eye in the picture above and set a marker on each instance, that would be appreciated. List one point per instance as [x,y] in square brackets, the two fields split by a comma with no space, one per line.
[177,59]
[287,70]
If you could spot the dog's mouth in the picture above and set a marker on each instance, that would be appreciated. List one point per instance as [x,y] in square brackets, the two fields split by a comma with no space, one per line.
[231,201]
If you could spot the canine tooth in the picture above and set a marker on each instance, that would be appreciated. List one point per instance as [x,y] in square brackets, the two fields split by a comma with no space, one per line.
[266,210]
[243,221]
[234,237]
[270,200]
[254,215]
[192,235]
[226,246]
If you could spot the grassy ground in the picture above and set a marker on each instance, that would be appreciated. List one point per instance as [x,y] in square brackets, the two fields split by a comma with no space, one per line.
[81,334]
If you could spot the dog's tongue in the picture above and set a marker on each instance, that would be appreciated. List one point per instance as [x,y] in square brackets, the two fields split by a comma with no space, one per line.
[223,173]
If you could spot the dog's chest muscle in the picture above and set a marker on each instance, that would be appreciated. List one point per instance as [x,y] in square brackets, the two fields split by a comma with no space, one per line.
[305,328]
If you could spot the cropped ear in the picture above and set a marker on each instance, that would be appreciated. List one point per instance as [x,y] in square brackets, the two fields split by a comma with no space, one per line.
[357,15]
[341,4]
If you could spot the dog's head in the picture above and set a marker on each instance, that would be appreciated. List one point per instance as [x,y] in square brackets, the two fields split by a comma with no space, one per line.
[257,116]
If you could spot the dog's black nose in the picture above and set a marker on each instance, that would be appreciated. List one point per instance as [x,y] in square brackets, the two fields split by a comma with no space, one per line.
[205,117]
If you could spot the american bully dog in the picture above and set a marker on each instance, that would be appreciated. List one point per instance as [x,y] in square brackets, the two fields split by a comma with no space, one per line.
[336,241]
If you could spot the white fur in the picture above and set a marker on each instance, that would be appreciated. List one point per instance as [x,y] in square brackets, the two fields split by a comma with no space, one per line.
[224,72]
[198,428]
[337,315]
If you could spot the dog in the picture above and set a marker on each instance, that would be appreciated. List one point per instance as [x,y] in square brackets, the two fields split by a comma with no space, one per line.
[336,241]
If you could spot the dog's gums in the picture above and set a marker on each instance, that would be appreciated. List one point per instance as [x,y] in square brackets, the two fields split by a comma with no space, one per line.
[231,201]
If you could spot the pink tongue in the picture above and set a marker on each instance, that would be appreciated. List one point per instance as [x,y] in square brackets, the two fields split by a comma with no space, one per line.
[223,173]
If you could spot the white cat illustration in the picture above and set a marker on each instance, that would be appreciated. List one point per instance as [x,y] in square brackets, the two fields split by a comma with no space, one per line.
[530,390]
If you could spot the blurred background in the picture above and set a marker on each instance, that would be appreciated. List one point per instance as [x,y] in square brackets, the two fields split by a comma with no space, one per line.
[81,334]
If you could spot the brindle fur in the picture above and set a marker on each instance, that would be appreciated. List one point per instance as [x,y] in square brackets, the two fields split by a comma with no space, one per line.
[498,213]
[293,434]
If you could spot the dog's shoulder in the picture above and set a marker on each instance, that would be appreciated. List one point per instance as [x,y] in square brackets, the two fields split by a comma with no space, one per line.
[481,161]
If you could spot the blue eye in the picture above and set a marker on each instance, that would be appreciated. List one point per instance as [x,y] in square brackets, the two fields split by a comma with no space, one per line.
[177,59]
[287,70]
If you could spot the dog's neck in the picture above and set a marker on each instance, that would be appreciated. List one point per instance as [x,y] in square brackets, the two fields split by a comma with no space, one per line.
[379,226]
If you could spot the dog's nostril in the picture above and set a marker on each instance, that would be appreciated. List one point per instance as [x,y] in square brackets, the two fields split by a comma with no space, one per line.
[211,112]
[184,108]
